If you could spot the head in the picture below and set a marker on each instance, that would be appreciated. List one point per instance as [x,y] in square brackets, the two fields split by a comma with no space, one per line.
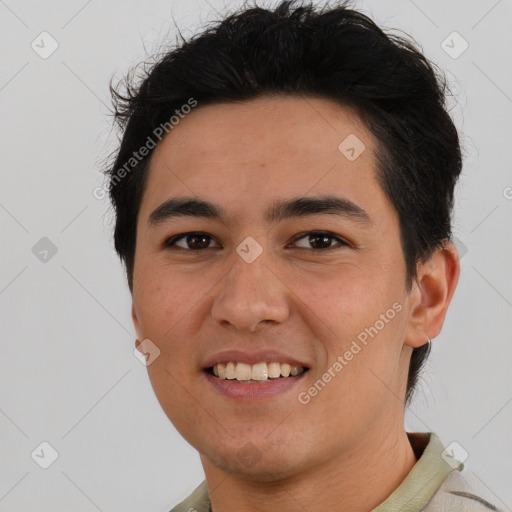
[293,105]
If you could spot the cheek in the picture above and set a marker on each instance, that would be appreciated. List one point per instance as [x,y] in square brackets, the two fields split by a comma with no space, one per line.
[175,395]
[167,303]
[360,317]
[164,297]
[346,298]
[159,308]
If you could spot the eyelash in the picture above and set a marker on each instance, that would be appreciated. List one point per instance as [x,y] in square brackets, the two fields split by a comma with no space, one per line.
[171,241]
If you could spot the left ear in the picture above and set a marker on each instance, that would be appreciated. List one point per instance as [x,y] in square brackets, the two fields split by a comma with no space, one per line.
[431,295]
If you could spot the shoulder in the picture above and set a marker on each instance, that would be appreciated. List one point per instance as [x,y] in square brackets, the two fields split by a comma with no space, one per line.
[462,492]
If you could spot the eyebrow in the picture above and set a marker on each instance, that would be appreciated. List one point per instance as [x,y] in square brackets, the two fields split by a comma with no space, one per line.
[278,211]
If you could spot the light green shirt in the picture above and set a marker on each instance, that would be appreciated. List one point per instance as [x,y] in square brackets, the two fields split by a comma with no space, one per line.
[434,484]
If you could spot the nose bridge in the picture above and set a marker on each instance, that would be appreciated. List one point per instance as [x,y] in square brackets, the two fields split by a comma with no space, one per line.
[250,294]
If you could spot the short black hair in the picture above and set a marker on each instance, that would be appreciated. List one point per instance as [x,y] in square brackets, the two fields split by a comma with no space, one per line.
[336,53]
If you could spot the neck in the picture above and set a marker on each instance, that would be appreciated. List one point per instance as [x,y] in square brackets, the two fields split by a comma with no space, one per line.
[357,480]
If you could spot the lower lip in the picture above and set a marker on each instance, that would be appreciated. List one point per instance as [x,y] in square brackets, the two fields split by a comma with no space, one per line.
[253,391]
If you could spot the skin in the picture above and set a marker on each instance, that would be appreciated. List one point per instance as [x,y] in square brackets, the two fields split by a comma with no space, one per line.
[309,303]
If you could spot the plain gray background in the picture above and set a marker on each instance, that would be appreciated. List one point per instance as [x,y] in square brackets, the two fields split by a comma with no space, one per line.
[67,369]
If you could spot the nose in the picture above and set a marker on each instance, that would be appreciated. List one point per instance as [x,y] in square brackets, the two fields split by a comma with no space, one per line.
[251,296]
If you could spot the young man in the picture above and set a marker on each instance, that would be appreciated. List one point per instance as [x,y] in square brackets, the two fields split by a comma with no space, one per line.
[283,192]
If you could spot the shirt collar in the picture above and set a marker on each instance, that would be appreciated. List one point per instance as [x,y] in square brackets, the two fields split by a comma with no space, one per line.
[422,482]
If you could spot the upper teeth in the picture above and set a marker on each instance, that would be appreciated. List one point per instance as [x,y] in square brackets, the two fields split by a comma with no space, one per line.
[259,371]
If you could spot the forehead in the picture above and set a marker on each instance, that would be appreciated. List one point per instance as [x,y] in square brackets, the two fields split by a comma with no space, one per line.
[242,154]
[294,127]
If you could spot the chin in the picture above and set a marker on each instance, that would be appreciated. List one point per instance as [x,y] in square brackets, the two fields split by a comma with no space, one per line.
[266,465]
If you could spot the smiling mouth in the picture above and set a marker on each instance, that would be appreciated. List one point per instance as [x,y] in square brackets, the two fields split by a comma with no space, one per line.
[255,373]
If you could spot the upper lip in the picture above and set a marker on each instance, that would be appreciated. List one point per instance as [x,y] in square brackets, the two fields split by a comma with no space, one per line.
[238,356]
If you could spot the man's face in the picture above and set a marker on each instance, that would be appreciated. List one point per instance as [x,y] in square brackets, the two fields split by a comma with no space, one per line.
[310,299]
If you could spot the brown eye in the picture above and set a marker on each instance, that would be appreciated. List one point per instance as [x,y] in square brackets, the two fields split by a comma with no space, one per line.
[318,240]
[191,241]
